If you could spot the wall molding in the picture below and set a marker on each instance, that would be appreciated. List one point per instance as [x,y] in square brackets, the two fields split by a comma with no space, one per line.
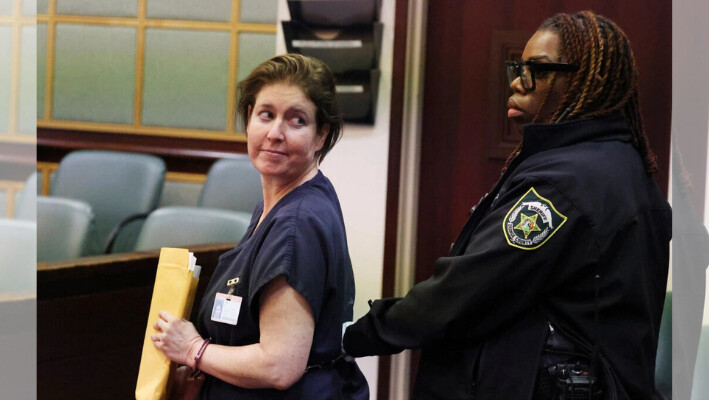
[180,154]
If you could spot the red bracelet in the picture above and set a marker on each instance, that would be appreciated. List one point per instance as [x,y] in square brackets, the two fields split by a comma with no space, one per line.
[198,357]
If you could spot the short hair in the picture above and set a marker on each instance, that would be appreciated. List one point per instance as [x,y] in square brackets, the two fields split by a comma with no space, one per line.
[309,74]
[607,79]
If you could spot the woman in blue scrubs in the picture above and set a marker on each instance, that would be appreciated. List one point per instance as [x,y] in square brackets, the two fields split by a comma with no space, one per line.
[288,286]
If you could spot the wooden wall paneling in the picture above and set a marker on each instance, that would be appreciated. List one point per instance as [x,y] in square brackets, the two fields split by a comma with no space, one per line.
[440,125]
[91,318]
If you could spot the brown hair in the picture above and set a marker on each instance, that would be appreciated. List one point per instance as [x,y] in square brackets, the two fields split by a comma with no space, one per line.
[607,79]
[309,74]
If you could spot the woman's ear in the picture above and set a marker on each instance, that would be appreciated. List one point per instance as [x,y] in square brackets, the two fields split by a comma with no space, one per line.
[322,135]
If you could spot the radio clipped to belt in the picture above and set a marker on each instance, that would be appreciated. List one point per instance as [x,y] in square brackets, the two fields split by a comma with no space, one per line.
[565,373]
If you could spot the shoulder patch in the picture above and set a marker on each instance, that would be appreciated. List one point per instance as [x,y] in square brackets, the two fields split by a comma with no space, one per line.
[531,221]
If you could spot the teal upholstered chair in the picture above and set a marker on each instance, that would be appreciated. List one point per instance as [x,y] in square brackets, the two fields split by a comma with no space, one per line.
[232,184]
[18,249]
[118,186]
[27,203]
[663,361]
[62,227]
[183,226]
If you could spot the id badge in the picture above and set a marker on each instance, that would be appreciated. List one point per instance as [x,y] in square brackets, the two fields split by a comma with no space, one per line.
[226,308]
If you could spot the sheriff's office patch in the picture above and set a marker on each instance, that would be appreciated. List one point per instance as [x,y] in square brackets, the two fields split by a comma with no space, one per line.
[531,221]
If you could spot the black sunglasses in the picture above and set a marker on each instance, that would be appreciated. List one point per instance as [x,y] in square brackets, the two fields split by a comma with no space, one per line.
[526,70]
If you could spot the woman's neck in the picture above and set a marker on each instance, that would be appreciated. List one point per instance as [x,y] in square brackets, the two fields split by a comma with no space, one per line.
[275,189]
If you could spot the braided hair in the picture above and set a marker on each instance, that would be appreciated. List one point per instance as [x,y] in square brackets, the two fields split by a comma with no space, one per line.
[607,79]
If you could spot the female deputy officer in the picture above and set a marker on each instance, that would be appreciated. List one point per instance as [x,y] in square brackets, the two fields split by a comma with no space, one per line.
[554,289]
[288,285]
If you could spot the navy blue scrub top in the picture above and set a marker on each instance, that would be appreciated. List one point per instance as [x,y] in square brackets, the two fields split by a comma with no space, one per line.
[303,238]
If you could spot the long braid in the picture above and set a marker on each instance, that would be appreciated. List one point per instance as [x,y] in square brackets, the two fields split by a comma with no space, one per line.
[606,81]
[618,98]
[574,50]
[598,82]
[641,141]
[612,76]
[591,54]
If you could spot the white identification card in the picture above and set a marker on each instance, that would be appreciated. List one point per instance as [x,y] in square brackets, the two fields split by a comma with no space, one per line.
[226,310]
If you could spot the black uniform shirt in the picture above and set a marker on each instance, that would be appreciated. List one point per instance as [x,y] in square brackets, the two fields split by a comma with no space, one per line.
[576,233]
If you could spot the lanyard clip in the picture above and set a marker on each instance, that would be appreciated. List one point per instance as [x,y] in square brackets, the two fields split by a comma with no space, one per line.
[231,283]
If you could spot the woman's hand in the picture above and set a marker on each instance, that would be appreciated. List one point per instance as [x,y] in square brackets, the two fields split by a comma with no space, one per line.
[176,338]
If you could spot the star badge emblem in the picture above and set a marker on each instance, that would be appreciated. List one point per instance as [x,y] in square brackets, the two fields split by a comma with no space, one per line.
[528,224]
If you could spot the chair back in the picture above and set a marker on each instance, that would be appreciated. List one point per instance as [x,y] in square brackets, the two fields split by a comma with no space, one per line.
[116,185]
[62,227]
[182,226]
[232,184]
[27,204]
[18,247]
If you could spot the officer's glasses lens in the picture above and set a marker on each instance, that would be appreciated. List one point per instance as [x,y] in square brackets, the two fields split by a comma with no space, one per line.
[523,72]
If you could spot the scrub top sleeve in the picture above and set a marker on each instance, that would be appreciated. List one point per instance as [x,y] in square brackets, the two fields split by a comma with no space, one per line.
[312,259]
[274,258]
[298,250]
[496,279]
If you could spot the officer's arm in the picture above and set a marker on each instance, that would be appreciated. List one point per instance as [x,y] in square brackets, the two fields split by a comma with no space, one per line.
[500,275]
